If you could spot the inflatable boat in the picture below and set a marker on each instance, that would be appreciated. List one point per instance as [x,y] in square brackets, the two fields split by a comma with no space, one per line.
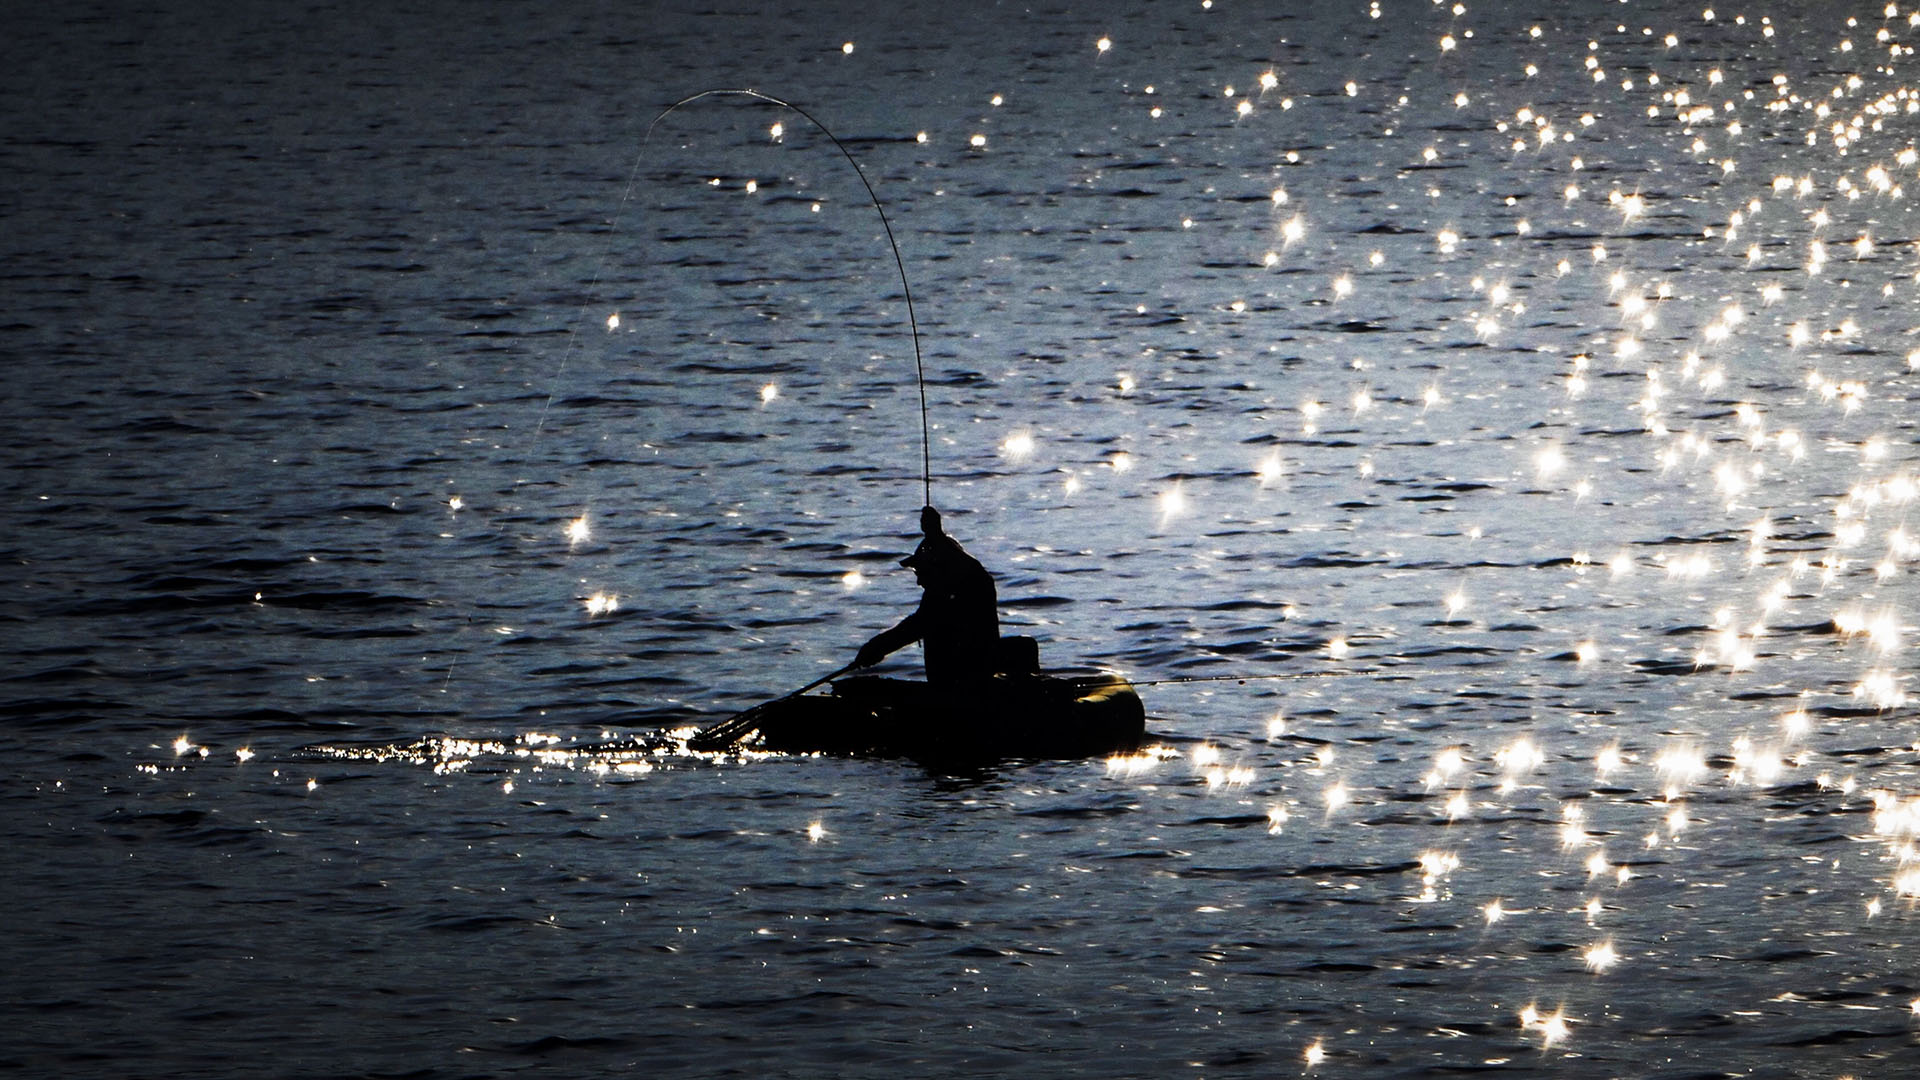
[1019,716]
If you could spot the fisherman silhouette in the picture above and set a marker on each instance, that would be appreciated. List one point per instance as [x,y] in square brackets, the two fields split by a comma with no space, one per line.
[958,621]
[984,697]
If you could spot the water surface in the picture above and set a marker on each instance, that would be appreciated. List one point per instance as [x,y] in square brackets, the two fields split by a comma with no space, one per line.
[1555,430]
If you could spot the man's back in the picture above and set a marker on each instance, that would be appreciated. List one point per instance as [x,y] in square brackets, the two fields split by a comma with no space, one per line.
[959,619]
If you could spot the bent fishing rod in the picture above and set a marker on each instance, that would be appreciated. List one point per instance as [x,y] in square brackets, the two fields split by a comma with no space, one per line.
[906,290]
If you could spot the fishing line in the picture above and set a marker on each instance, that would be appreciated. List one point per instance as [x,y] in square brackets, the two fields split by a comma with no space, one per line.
[614,223]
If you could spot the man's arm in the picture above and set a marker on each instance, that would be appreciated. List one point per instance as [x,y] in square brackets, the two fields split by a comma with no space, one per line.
[887,641]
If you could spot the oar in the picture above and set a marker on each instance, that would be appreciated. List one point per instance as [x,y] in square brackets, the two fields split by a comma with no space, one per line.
[734,728]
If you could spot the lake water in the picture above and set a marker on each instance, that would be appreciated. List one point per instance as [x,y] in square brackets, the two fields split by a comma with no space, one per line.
[1505,423]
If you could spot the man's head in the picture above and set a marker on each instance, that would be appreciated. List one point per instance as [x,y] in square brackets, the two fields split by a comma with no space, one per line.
[936,547]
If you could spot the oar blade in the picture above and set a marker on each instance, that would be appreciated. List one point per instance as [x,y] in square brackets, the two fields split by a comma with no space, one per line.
[727,733]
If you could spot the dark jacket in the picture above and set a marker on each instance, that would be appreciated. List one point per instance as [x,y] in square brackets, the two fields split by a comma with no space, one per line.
[958,621]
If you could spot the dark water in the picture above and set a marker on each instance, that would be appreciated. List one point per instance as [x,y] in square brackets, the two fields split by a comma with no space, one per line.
[318,761]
